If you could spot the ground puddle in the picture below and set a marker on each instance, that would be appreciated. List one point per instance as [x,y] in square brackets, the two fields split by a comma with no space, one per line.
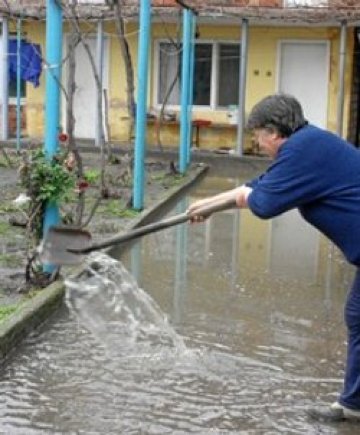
[108,302]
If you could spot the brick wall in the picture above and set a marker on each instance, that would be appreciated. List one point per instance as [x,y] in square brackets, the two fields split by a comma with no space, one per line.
[343,3]
[12,120]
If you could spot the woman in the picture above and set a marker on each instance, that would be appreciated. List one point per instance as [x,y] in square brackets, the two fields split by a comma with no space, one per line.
[319,173]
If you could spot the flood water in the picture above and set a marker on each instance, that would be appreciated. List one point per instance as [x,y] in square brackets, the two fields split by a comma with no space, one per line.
[258,306]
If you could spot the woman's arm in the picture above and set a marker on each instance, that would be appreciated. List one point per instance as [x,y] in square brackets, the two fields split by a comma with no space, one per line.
[239,195]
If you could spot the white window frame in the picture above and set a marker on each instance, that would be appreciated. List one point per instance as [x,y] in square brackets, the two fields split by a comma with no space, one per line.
[304,3]
[214,75]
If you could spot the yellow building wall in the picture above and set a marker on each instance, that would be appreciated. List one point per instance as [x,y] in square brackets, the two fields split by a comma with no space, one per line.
[261,75]
[35,97]
[261,78]
[118,113]
[118,117]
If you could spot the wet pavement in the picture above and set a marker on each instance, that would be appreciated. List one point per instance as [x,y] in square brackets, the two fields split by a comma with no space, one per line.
[259,305]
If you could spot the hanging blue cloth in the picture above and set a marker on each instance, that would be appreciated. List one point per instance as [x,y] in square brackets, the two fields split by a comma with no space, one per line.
[30,61]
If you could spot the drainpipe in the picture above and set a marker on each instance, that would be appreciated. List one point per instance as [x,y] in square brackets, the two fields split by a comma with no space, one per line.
[191,84]
[140,121]
[185,87]
[99,136]
[18,84]
[52,99]
[5,80]
[242,85]
[342,58]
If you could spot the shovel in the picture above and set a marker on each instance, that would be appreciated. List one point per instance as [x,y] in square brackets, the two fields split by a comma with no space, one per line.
[64,245]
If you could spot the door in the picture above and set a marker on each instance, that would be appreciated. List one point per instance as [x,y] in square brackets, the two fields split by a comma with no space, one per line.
[85,98]
[303,72]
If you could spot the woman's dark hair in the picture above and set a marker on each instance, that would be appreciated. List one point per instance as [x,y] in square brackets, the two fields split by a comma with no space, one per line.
[280,112]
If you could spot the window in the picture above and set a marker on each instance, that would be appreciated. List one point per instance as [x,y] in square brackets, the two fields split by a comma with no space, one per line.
[216,74]
[202,75]
[13,86]
[229,63]
[12,80]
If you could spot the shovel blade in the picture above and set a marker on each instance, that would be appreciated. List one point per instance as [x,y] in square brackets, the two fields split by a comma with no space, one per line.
[54,247]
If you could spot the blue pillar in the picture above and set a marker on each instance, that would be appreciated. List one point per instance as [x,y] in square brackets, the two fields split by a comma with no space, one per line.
[18,84]
[52,97]
[191,85]
[140,121]
[185,80]
[5,80]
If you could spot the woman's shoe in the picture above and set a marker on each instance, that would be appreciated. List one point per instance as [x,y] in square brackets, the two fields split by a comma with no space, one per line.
[333,413]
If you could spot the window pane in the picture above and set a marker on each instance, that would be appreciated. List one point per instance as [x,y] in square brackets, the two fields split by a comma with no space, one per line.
[12,89]
[170,62]
[170,68]
[202,74]
[229,63]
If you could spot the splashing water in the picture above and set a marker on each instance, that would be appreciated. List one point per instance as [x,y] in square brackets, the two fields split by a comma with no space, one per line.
[125,319]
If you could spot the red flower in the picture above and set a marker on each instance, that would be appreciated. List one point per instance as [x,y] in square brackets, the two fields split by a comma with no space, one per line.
[63,137]
[82,185]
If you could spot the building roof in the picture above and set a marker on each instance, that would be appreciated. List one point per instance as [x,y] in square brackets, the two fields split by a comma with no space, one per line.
[322,12]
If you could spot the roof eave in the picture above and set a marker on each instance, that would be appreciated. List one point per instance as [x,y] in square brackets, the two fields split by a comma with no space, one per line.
[217,13]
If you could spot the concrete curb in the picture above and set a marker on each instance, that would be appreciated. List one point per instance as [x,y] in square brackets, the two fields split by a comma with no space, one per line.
[37,310]
[30,315]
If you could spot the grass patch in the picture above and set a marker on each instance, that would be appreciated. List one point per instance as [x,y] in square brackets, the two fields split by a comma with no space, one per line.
[114,207]
[3,162]
[92,176]
[10,260]
[4,228]
[8,208]
[167,179]
[158,176]
[118,208]
[7,310]
[173,180]
[129,213]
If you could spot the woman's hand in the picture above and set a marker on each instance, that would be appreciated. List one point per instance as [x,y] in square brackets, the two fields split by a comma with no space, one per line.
[234,197]
[197,206]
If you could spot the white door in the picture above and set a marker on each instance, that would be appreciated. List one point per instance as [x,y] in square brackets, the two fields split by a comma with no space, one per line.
[304,73]
[85,98]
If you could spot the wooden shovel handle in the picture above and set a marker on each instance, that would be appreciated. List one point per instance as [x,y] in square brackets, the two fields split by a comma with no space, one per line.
[156,226]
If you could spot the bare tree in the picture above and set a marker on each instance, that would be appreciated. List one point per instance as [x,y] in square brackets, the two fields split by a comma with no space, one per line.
[129,70]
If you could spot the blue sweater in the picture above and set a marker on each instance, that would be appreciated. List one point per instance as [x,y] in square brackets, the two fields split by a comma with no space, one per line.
[318,173]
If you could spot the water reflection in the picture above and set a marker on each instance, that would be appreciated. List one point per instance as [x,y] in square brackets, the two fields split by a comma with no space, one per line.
[293,247]
[135,264]
[235,252]
[180,284]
